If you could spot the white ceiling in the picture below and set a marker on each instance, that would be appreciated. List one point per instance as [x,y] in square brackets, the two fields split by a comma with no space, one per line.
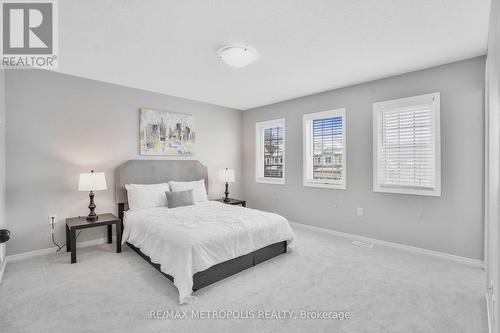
[305,46]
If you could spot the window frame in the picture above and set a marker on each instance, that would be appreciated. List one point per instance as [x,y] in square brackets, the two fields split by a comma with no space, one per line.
[308,158]
[378,109]
[259,151]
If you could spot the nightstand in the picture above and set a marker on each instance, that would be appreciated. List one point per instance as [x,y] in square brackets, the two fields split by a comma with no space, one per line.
[235,202]
[78,223]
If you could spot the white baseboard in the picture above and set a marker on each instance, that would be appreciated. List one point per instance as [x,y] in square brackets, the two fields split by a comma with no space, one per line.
[445,256]
[2,269]
[488,313]
[26,255]
[441,255]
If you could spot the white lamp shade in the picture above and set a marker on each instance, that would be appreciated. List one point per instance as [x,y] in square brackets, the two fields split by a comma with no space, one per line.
[94,181]
[226,175]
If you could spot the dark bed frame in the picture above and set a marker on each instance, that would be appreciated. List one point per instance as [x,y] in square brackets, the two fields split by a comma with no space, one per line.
[224,269]
[217,272]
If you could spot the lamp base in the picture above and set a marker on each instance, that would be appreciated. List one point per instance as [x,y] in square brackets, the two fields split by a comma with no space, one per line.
[92,218]
[226,198]
[92,215]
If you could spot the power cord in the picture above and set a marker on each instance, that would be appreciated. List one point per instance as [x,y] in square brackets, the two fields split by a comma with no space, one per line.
[59,247]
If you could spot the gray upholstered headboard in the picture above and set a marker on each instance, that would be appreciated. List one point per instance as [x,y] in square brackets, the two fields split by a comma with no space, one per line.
[154,172]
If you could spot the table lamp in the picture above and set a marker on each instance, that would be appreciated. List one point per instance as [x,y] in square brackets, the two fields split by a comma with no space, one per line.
[93,181]
[226,175]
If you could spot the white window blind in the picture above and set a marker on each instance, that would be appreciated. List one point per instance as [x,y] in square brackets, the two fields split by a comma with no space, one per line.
[327,149]
[406,136]
[270,151]
[324,149]
[273,152]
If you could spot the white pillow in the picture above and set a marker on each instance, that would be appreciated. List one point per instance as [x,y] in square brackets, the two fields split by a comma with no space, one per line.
[198,187]
[146,195]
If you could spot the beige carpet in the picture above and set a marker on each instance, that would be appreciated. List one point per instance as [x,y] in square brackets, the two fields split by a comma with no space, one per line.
[385,290]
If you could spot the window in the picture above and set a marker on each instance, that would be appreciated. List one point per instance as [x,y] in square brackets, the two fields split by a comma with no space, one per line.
[407,146]
[324,149]
[270,151]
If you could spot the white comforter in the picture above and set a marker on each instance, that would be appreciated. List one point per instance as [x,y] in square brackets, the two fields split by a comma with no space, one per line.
[189,239]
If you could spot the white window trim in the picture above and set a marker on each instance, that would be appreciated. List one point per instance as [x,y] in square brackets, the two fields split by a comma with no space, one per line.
[378,108]
[259,152]
[307,120]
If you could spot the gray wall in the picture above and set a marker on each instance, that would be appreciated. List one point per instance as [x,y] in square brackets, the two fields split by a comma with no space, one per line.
[452,223]
[492,247]
[60,125]
[2,159]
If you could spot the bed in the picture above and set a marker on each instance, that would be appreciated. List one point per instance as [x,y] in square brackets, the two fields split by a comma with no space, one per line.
[195,246]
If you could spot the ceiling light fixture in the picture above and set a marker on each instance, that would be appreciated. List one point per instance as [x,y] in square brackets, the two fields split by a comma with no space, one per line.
[237,56]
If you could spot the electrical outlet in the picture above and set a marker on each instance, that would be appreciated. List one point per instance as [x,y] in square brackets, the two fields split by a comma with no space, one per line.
[52,217]
[360,211]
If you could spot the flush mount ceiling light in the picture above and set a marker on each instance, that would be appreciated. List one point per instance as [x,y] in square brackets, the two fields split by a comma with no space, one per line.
[237,56]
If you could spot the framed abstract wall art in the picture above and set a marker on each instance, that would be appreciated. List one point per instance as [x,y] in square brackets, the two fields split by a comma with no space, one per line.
[166,133]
